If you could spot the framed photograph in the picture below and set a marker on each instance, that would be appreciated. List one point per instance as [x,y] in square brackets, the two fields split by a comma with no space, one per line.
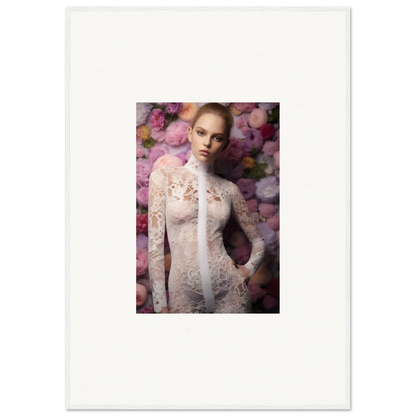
[233,200]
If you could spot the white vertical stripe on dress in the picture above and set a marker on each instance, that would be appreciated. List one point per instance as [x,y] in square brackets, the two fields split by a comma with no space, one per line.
[202,244]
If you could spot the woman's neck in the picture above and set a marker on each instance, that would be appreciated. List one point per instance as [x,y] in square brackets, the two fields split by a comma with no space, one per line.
[200,167]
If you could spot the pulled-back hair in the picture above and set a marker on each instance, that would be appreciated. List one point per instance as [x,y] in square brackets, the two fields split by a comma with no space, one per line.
[218,110]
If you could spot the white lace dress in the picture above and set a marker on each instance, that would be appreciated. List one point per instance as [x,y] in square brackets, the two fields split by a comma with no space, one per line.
[195,204]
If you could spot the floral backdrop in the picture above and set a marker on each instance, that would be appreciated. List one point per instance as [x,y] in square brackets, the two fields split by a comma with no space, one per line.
[251,161]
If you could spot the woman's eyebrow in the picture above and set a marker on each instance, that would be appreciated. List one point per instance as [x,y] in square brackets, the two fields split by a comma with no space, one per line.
[199,127]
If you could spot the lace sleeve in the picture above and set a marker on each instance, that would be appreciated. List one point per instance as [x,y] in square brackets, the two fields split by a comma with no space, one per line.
[243,216]
[156,237]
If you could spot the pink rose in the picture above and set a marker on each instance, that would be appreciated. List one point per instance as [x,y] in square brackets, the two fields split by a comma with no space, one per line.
[242,123]
[273,222]
[157,151]
[234,151]
[245,107]
[157,119]
[257,118]
[167,161]
[139,152]
[270,148]
[141,262]
[256,292]
[267,210]
[177,133]
[143,196]
[241,254]
[143,171]
[141,224]
[252,204]
[158,135]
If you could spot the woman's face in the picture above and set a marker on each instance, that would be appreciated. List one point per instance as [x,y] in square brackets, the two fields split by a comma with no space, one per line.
[207,135]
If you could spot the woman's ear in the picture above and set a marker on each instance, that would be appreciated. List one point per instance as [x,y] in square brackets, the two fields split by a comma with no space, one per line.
[190,134]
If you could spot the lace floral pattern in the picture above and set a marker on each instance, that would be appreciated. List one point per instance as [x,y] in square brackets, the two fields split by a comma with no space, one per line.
[195,204]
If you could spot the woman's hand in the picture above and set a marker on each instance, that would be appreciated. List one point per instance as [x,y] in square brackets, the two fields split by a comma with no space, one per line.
[244,272]
[164,309]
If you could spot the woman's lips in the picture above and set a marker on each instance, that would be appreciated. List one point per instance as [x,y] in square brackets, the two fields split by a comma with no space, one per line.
[204,152]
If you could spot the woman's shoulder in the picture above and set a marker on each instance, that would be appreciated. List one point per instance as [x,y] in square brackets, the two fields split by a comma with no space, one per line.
[226,184]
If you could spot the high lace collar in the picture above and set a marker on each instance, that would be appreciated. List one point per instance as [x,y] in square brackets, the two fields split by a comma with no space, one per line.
[200,167]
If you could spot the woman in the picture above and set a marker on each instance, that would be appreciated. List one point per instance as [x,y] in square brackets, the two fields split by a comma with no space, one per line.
[196,204]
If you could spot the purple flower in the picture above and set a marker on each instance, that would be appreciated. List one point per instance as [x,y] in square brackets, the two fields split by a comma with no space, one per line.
[238,171]
[181,155]
[147,309]
[156,151]
[173,108]
[267,189]
[253,138]
[269,235]
[267,106]
[144,168]
[141,241]
[223,168]
[142,112]
[246,187]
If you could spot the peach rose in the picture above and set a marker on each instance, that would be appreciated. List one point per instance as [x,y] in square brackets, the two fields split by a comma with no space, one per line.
[257,118]
[276,158]
[141,294]
[187,111]
[262,276]
[167,161]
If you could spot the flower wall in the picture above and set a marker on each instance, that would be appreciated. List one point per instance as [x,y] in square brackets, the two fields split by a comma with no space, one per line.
[251,161]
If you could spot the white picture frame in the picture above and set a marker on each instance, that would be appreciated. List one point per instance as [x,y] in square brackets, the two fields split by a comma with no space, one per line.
[297,359]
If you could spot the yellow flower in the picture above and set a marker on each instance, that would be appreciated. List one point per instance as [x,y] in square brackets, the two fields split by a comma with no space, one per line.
[249,162]
[234,110]
[143,132]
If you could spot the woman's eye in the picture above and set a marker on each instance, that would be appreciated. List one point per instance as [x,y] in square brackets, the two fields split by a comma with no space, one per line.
[219,138]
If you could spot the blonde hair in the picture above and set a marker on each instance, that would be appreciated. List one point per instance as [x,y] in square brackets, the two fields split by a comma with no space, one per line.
[218,110]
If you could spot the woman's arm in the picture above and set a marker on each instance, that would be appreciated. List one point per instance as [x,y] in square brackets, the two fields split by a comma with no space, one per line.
[156,238]
[243,216]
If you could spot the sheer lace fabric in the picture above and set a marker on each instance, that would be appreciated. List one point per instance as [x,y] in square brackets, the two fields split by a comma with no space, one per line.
[195,204]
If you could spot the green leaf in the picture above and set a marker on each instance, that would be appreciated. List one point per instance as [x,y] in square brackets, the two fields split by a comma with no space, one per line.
[148,144]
